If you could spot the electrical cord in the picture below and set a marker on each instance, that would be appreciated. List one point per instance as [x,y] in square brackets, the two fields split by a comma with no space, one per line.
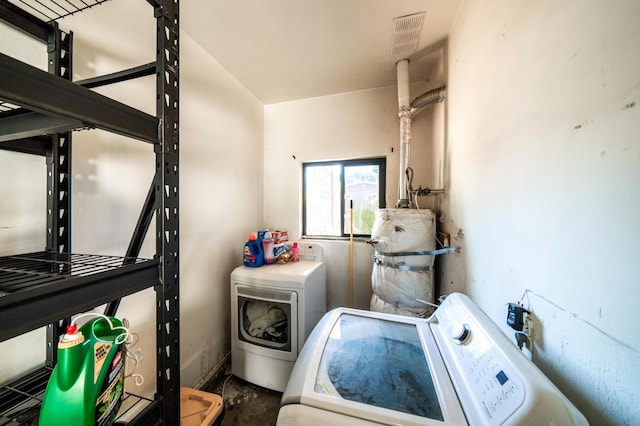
[576,316]
[121,338]
[427,303]
[224,385]
[135,355]
[125,338]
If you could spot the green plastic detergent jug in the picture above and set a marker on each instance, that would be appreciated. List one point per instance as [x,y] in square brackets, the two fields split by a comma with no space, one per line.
[87,384]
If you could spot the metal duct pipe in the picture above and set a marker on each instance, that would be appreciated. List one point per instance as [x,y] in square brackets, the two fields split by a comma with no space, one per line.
[405,140]
[428,98]
[402,72]
[404,113]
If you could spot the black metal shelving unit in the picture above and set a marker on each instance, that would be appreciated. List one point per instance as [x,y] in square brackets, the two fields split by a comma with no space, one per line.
[39,111]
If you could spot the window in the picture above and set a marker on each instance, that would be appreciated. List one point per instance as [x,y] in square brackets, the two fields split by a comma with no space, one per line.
[334,189]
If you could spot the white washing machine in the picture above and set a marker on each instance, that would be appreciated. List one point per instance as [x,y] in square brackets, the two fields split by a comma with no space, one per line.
[274,308]
[454,368]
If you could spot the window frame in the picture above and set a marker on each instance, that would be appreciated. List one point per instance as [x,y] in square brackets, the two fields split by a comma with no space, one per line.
[381,162]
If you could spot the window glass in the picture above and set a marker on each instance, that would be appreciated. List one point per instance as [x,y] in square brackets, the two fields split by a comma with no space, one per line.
[333,191]
[361,193]
[322,200]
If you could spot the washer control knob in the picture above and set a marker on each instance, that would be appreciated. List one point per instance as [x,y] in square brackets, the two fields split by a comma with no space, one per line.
[460,332]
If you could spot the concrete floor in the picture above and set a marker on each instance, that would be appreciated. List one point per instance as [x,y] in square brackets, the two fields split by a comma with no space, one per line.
[245,404]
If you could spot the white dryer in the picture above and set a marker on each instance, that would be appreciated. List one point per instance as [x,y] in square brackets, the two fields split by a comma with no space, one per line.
[274,308]
[454,368]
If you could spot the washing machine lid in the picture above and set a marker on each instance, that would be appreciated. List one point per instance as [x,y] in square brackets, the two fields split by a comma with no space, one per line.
[376,367]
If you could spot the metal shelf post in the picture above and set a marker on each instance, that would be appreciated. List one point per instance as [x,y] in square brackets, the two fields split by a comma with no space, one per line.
[167,220]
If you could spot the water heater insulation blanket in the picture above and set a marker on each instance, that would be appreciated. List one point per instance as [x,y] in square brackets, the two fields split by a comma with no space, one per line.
[403,230]
[402,288]
[398,278]
[378,305]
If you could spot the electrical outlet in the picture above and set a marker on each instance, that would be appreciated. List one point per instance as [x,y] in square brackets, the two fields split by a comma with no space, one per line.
[516,316]
[527,326]
[445,239]
[521,339]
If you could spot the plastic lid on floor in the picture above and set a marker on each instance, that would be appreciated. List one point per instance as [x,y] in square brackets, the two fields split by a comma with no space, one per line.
[198,408]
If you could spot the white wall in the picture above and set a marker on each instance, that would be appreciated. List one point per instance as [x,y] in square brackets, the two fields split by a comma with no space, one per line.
[221,144]
[221,135]
[543,155]
[345,126]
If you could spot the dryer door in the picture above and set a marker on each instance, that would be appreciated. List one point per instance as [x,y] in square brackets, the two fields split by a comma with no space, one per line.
[267,321]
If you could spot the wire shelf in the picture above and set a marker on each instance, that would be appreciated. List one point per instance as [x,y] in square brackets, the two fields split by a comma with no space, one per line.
[26,271]
[21,400]
[52,10]
[40,288]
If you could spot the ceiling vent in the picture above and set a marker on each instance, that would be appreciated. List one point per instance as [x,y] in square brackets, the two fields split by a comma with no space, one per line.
[406,35]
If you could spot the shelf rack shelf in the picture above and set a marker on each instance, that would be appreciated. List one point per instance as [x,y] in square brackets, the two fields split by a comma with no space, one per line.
[37,289]
[39,92]
[20,402]
[39,110]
